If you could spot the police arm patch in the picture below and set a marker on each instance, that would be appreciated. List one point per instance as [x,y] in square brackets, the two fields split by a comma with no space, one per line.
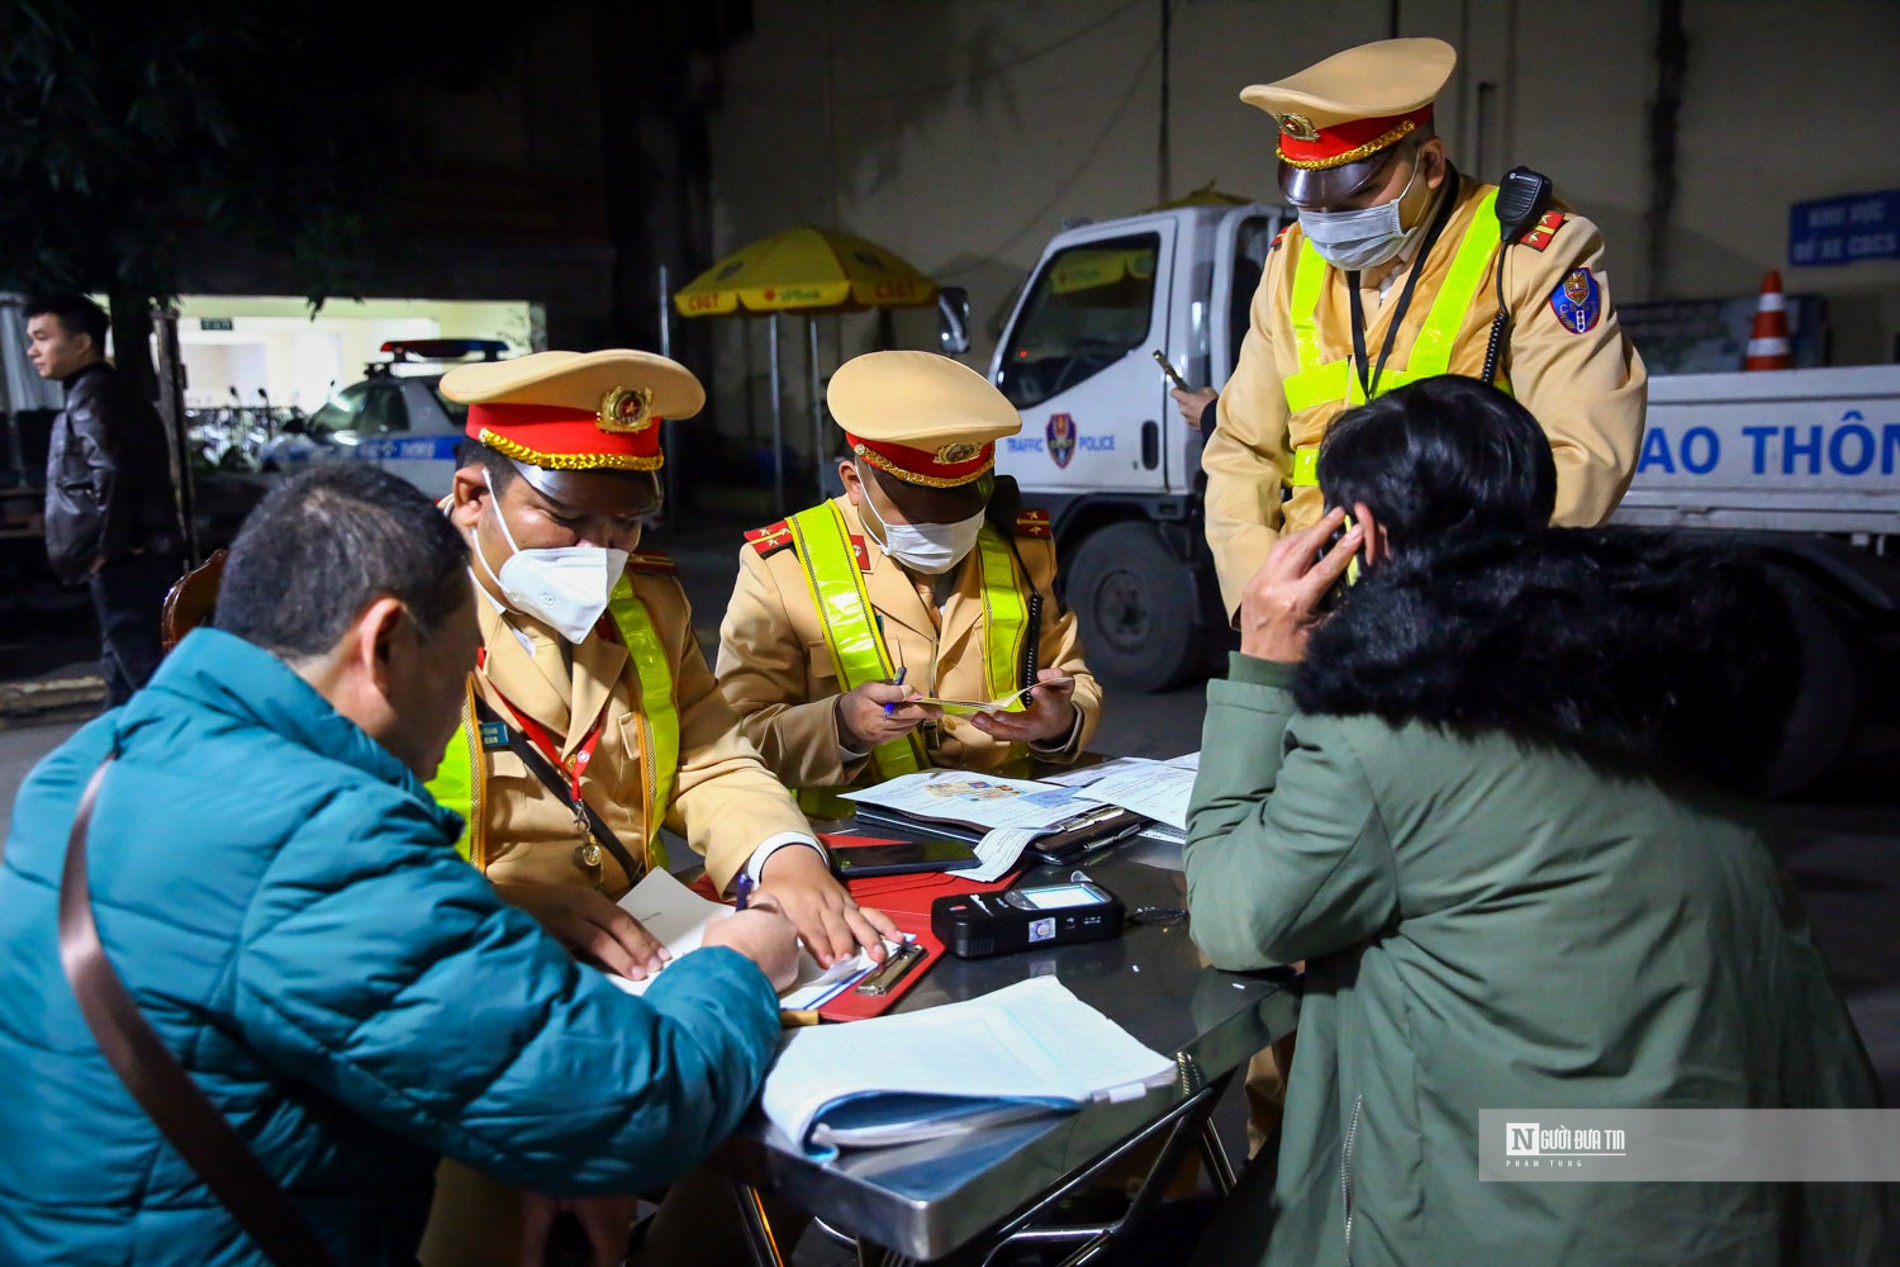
[1578,301]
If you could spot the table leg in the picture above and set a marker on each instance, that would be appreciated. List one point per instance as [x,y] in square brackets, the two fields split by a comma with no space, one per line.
[1220,1168]
[758,1227]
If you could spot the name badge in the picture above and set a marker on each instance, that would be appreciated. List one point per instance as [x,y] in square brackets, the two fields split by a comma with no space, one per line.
[494,736]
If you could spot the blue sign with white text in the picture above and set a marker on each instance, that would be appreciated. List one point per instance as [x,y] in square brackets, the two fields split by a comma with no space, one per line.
[1844,230]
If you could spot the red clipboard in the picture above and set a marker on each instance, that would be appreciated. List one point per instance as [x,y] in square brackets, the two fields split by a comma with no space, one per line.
[906,899]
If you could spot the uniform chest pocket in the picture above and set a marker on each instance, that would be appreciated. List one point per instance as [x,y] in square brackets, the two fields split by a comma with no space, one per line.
[504,764]
[818,656]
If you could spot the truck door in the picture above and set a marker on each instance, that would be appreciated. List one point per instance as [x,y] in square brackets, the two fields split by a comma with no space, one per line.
[1076,363]
[1241,243]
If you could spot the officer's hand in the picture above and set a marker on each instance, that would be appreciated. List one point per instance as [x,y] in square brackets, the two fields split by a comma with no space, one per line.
[829,921]
[593,929]
[863,722]
[763,934]
[1193,404]
[608,1222]
[1280,605]
[1050,715]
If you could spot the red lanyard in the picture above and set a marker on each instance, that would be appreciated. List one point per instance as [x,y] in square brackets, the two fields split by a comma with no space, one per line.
[538,736]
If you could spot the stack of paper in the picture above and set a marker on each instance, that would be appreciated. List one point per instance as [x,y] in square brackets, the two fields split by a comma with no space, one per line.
[1030,1048]
[678,918]
[1154,789]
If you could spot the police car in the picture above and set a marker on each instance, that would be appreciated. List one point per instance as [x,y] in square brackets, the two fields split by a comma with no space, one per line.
[396,419]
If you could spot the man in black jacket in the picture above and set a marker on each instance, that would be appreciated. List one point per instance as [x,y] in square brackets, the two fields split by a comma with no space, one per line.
[111,516]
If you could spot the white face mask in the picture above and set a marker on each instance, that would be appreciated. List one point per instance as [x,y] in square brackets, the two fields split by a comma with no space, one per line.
[932,549]
[566,586]
[1362,239]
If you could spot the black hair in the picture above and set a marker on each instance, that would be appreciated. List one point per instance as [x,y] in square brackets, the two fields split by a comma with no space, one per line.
[328,542]
[500,467]
[1440,456]
[78,314]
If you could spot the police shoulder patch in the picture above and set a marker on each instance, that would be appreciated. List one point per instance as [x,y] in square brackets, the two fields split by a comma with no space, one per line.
[1277,239]
[652,563]
[1544,230]
[770,538]
[1578,301]
[1034,522]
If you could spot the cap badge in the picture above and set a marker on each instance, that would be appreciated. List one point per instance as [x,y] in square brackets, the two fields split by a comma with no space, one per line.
[1299,127]
[952,454]
[626,410]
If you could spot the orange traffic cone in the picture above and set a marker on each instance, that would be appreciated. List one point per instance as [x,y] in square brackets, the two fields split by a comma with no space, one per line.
[1768,344]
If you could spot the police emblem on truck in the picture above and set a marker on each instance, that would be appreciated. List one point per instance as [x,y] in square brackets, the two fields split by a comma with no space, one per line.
[1061,435]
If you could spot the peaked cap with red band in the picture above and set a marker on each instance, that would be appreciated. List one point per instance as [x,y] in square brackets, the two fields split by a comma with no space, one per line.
[576,411]
[923,418]
[1340,118]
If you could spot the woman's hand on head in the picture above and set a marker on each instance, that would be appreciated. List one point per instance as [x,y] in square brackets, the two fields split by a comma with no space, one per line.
[1281,603]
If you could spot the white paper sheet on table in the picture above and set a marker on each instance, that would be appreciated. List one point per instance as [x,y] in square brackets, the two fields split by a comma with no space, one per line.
[981,800]
[679,917]
[884,1079]
[1157,790]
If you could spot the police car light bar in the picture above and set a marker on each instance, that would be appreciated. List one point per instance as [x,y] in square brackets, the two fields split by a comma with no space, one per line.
[444,349]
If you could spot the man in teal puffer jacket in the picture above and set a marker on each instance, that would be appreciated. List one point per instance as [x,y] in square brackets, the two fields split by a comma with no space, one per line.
[284,902]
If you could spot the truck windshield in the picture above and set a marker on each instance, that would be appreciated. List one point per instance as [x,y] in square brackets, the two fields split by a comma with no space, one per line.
[1091,305]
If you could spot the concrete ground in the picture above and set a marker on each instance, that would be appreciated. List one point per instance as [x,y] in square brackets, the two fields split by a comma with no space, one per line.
[1842,838]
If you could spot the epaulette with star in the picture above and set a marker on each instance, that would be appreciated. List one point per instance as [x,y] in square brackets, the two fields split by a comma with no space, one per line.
[1277,239]
[1539,237]
[1034,523]
[770,538]
[653,563]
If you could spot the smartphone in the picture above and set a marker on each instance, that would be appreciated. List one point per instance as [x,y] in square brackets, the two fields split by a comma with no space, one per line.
[1347,578]
[902,857]
[1167,367]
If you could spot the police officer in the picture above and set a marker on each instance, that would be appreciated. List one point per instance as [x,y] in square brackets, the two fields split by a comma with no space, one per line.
[592,717]
[911,584]
[1392,274]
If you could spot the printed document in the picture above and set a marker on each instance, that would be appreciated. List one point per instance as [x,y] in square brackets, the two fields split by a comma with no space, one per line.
[678,919]
[979,800]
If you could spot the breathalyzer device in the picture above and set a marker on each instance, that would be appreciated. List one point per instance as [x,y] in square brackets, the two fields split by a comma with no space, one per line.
[979,925]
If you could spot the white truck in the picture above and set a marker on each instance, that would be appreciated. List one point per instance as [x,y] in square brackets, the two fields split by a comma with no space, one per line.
[1802,464]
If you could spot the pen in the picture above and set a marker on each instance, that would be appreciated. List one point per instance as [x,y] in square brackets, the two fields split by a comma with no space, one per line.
[896,681]
[797,1018]
[741,890]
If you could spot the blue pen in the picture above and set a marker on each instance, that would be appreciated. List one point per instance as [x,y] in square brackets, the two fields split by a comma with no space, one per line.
[896,681]
[741,890]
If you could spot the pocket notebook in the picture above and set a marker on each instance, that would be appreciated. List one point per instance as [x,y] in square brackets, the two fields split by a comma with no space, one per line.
[1032,1047]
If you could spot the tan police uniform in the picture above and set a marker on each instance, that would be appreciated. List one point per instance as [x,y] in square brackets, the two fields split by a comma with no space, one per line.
[930,421]
[632,711]
[1566,357]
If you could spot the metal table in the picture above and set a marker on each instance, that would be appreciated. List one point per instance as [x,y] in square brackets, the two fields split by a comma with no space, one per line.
[923,1201]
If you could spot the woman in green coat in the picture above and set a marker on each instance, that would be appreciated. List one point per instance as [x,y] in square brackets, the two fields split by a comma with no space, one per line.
[1497,804]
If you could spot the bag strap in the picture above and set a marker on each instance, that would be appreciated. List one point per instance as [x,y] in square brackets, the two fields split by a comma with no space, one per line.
[207,1141]
[538,766]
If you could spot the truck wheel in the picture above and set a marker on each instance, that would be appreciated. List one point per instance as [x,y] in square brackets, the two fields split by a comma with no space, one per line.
[1135,602]
[1827,707]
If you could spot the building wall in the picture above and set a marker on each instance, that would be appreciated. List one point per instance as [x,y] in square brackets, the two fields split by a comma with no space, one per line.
[962,133]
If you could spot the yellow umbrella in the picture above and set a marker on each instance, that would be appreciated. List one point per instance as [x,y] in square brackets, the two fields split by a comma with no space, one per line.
[813,271]
[806,268]
[1205,196]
